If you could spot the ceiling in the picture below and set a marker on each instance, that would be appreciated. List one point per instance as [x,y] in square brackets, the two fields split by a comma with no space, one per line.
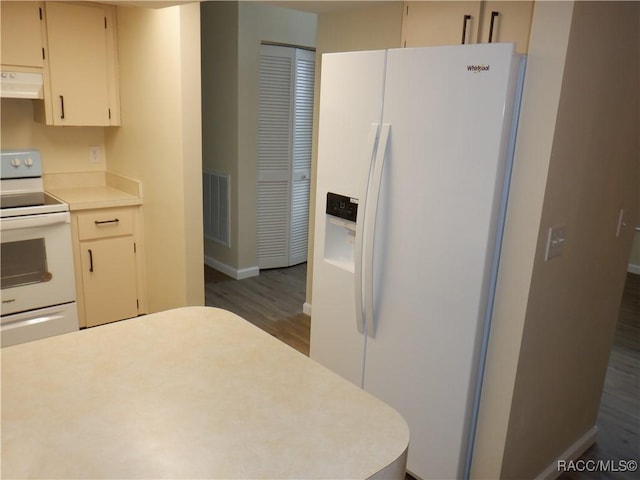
[312,6]
[319,6]
[146,3]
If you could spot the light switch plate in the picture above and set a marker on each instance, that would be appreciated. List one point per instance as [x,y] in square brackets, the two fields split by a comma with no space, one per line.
[555,242]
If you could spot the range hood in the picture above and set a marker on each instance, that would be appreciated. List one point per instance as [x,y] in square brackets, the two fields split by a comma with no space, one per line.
[20,85]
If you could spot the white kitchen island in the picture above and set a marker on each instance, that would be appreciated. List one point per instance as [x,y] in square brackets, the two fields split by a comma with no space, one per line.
[194,392]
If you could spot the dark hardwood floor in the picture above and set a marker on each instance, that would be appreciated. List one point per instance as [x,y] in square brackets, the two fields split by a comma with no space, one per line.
[273,301]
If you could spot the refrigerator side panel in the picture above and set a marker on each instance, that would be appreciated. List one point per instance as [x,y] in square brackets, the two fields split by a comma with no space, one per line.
[350,109]
[434,241]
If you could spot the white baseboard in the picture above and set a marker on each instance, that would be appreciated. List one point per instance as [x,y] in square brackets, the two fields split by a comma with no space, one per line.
[306,308]
[634,269]
[238,274]
[572,453]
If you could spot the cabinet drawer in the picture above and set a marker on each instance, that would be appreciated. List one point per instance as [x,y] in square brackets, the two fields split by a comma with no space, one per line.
[105,223]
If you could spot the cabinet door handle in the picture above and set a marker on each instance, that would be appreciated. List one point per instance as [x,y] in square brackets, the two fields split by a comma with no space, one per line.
[90,260]
[62,107]
[493,20]
[465,21]
[102,222]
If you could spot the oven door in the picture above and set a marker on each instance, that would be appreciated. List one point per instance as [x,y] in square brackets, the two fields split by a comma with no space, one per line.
[37,262]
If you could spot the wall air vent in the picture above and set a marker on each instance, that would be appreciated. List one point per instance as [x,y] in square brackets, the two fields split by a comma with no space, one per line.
[216,194]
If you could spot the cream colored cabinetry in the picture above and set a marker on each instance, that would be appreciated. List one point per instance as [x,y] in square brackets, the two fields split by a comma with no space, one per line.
[81,75]
[511,23]
[108,261]
[22,34]
[439,23]
[450,23]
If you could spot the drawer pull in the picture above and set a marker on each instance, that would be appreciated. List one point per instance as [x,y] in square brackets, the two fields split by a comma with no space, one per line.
[102,222]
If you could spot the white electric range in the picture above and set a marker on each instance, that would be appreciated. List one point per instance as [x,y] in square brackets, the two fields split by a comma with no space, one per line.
[37,281]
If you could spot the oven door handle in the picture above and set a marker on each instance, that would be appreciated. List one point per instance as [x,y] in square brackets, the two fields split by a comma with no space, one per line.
[30,321]
[33,221]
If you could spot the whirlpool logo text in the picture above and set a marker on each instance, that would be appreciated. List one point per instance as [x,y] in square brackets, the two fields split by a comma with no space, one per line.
[477,68]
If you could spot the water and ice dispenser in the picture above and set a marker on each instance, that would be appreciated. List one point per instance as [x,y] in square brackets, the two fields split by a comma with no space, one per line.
[340,230]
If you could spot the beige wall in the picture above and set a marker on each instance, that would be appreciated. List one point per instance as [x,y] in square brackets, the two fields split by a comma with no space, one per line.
[236,46]
[574,299]
[369,27]
[192,152]
[219,51]
[634,260]
[63,149]
[159,143]
[555,320]
[545,66]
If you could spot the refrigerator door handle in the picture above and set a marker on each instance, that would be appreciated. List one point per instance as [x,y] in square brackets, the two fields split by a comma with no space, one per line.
[370,214]
[362,208]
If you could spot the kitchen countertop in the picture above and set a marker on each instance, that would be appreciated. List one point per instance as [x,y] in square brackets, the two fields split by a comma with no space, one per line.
[195,392]
[85,198]
[89,190]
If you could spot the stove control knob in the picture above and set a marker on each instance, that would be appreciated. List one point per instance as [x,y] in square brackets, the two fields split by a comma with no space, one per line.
[15,161]
[28,161]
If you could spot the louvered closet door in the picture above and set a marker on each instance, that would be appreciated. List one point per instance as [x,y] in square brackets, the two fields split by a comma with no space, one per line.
[284,155]
[302,128]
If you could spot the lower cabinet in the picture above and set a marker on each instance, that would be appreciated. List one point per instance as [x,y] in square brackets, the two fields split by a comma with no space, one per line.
[108,253]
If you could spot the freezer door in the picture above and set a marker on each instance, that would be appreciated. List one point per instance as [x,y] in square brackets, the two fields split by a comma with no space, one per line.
[449,111]
[350,113]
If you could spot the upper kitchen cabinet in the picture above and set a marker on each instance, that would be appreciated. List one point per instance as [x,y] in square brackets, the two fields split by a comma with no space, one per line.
[440,23]
[451,23]
[22,34]
[506,22]
[82,81]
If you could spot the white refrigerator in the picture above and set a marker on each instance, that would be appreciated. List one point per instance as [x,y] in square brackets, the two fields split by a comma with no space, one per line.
[414,159]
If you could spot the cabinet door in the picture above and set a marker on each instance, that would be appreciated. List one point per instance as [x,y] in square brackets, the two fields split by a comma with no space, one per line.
[440,23]
[78,64]
[109,279]
[511,23]
[21,34]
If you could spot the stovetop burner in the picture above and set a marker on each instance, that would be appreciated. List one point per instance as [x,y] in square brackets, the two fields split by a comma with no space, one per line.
[22,187]
[32,199]
[30,204]
[23,200]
